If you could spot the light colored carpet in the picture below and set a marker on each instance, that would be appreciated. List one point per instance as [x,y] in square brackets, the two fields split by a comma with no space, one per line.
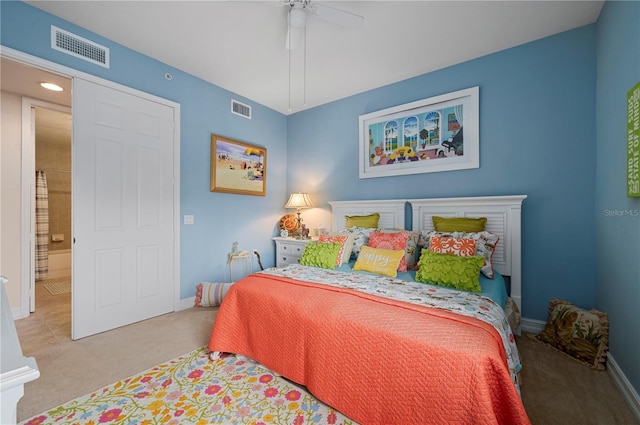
[57,288]
[558,390]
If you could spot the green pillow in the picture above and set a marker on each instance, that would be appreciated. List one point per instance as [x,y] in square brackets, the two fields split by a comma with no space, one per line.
[458,224]
[450,270]
[321,254]
[367,221]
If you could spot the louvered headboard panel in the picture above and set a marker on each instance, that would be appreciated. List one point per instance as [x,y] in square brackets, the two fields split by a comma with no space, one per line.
[503,215]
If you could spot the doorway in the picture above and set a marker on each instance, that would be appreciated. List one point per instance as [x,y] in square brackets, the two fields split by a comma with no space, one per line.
[137,178]
[52,271]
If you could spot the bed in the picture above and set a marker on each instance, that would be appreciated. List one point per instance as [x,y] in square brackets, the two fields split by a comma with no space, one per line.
[384,350]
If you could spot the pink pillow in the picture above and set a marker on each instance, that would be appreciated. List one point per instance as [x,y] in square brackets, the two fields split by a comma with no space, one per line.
[341,239]
[396,241]
[462,247]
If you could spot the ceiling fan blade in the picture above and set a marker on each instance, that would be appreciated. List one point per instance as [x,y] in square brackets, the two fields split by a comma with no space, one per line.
[337,16]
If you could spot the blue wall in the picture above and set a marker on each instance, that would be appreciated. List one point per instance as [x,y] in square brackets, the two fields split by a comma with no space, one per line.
[617,217]
[220,219]
[537,137]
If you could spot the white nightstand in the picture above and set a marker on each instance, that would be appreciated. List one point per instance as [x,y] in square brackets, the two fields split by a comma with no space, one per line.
[289,250]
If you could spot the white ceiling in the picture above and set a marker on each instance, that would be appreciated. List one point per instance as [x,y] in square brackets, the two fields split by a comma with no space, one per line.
[239,45]
[25,80]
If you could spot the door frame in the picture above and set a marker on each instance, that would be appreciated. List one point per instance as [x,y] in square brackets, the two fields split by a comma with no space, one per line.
[28,198]
[25,242]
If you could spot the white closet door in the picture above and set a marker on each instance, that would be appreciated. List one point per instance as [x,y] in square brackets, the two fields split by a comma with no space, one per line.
[123,208]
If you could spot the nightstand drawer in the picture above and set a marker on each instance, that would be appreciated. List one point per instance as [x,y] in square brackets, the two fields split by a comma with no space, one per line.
[289,250]
[284,260]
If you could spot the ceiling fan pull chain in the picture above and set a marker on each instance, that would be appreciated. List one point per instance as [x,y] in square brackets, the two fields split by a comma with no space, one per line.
[289,44]
[304,100]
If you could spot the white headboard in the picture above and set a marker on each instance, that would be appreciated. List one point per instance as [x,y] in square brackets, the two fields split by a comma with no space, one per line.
[391,212]
[503,215]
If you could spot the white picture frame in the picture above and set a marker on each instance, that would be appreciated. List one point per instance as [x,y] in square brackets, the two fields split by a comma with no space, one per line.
[440,133]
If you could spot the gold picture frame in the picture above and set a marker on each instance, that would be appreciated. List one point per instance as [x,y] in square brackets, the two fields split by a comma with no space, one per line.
[238,167]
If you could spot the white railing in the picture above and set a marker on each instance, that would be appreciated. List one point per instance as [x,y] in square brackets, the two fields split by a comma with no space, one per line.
[16,368]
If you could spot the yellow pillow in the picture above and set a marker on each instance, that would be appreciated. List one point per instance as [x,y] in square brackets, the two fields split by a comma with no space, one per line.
[458,224]
[367,221]
[379,261]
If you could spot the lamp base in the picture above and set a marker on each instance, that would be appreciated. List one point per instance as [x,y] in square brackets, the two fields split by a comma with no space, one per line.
[300,234]
[304,232]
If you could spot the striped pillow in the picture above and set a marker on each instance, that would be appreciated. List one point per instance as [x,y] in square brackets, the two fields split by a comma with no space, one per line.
[210,294]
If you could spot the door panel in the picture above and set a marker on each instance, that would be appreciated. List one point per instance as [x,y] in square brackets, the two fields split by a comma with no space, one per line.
[123,208]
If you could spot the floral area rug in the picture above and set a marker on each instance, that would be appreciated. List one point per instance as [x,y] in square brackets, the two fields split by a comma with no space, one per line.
[192,389]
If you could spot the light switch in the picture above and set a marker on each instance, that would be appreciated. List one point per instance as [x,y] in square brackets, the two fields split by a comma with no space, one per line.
[188,219]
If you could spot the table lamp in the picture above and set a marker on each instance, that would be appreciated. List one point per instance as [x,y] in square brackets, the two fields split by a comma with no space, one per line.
[298,201]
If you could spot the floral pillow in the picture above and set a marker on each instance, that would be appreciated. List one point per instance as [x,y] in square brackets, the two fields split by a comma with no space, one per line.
[485,245]
[410,255]
[360,238]
[395,241]
[581,334]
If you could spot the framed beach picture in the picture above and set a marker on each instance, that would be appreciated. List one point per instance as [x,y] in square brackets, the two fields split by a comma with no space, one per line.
[238,167]
[440,133]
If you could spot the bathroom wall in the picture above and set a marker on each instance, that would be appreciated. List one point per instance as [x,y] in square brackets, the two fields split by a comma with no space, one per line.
[53,155]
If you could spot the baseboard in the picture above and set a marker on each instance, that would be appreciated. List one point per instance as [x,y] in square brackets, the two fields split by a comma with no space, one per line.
[185,303]
[18,313]
[531,325]
[628,392]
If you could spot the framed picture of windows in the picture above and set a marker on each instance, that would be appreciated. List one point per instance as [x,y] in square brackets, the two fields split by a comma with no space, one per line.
[440,133]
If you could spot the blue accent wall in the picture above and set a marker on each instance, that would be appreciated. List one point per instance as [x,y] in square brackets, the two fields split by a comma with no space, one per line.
[537,138]
[220,219]
[617,217]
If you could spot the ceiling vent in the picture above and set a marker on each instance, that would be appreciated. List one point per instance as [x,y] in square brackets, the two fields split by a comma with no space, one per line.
[79,47]
[240,109]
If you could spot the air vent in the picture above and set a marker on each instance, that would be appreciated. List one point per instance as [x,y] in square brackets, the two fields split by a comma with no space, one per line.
[79,47]
[240,109]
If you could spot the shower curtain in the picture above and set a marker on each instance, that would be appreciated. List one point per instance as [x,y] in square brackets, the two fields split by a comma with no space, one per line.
[42,226]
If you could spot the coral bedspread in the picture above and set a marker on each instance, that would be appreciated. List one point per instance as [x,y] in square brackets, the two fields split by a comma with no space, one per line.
[376,360]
